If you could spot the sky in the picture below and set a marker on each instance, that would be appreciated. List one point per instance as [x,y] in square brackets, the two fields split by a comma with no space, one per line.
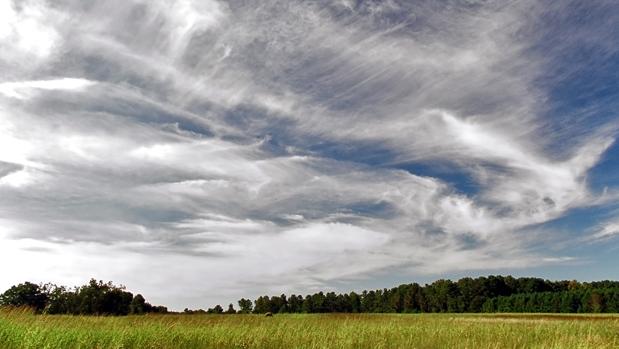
[202,151]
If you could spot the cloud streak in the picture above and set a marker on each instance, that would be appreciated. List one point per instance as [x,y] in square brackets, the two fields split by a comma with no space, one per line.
[234,148]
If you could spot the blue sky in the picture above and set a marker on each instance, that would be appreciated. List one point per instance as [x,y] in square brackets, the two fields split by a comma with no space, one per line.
[203,151]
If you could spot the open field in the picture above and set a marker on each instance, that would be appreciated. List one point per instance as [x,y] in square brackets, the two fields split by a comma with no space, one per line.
[24,330]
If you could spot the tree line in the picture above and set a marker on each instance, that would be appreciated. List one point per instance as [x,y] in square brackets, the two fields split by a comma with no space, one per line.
[470,295]
[94,298]
[584,300]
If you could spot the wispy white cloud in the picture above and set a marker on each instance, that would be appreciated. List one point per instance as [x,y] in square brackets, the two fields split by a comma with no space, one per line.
[23,89]
[606,230]
[218,143]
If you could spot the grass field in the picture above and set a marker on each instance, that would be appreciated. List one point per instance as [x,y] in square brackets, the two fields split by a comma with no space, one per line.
[19,329]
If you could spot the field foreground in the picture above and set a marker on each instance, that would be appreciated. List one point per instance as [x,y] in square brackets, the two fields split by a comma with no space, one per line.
[20,329]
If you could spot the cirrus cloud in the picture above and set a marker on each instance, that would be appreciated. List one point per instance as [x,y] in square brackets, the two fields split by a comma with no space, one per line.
[199,151]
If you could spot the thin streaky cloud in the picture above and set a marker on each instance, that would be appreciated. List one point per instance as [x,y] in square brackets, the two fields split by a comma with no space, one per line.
[203,151]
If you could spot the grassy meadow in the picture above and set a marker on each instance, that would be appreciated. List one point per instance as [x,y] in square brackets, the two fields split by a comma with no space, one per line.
[21,329]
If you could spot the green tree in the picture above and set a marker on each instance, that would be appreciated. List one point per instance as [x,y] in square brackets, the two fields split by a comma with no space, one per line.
[245,306]
[307,306]
[355,302]
[99,298]
[596,302]
[262,305]
[294,304]
[60,301]
[216,310]
[25,295]
[138,305]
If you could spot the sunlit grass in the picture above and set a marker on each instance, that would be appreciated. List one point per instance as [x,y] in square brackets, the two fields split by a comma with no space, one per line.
[21,329]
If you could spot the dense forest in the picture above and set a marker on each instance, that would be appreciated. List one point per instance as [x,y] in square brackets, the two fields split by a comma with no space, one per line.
[94,298]
[470,295]
[483,294]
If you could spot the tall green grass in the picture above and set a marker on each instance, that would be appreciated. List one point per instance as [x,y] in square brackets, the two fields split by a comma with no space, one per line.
[21,329]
